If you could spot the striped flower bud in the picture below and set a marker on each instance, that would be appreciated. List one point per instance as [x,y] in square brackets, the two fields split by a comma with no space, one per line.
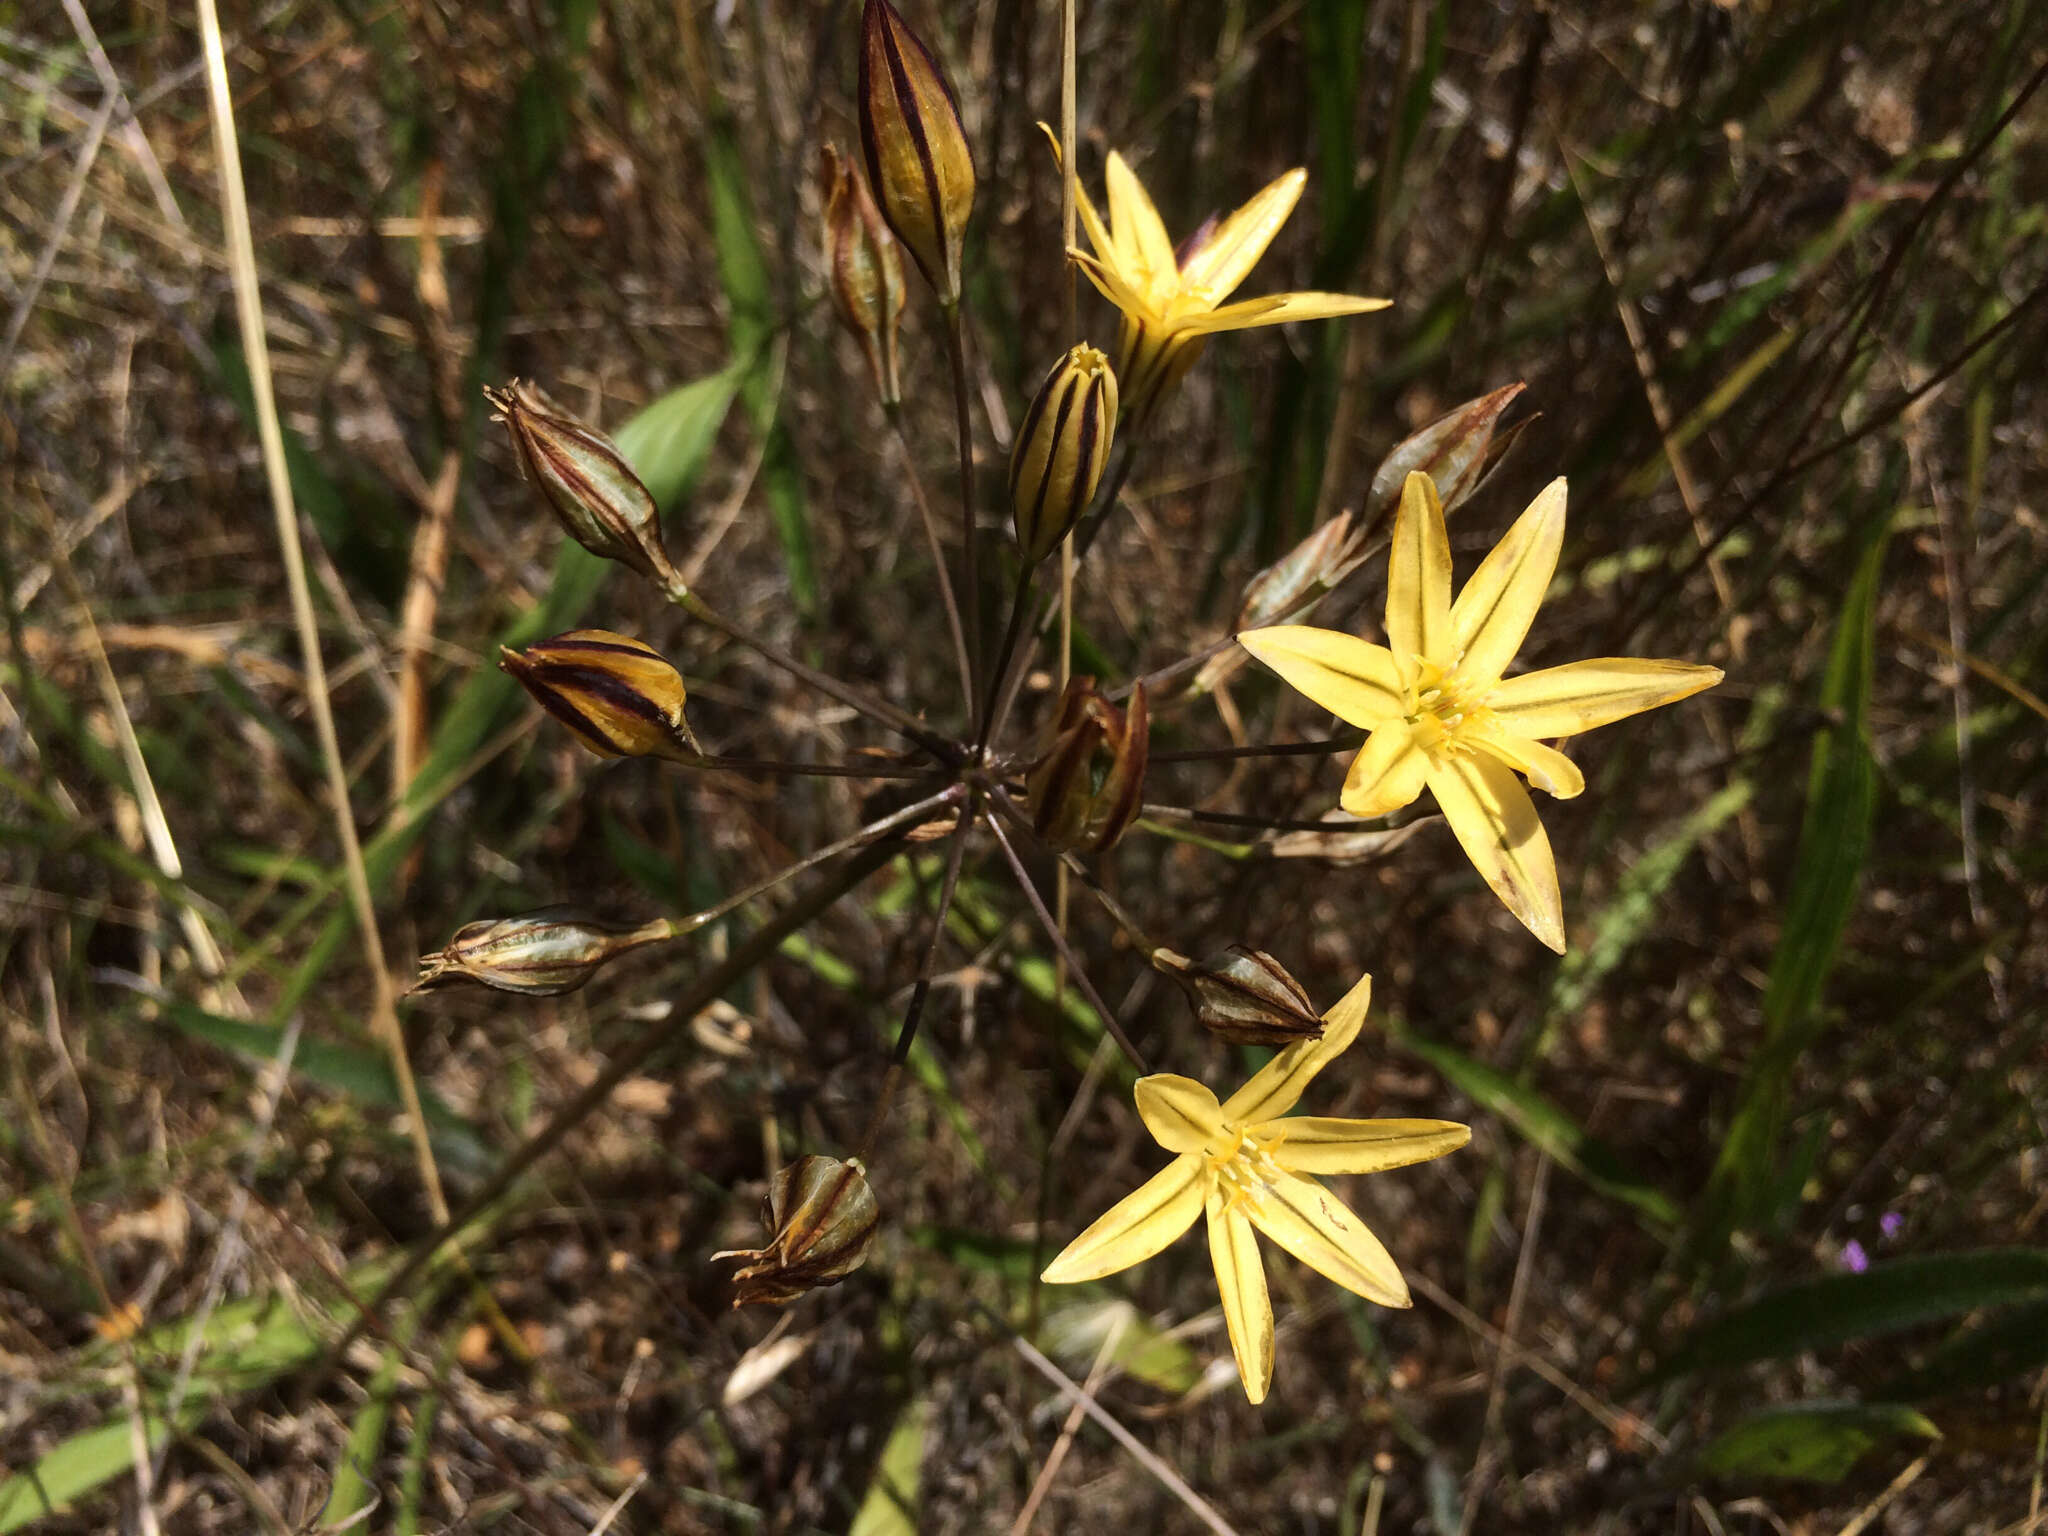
[585,481]
[1057,460]
[865,271]
[821,1219]
[1244,996]
[1089,786]
[619,696]
[540,954]
[916,151]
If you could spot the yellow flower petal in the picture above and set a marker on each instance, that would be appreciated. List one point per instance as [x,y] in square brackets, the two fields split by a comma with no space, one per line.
[1228,256]
[1353,679]
[1247,1309]
[1419,576]
[1090,219]
[1562,701]
[1180,1113]
[1496,824]
[1388,773]
[1136,1227]
[1112,285]
[1276,309]
[1141,240]
[1544,767]
[1499,603]
[1277,1086]
[1323,1144]
[1321,1231]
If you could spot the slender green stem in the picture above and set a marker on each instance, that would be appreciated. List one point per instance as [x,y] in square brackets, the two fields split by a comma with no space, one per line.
[963,428]
[871,705]
[710,984]
[678,926]
[1052,932]
[986,723]
[930,524]
[1321,747]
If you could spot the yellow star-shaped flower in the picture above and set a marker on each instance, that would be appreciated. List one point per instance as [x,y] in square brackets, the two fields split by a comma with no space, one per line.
[1172,301]
[1442,716]
[1247,1165]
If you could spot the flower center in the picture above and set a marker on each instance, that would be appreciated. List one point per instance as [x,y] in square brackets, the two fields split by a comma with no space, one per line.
[1443,710]
[1244,1167]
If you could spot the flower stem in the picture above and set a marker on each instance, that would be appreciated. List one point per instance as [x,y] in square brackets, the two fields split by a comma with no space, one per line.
[938,553]
[1231,819]
[1319,748]
[1052,932]
[769,765]
[986,725]
[963,429]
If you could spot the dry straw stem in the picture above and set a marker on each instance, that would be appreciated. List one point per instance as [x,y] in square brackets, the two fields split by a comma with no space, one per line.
[249,315]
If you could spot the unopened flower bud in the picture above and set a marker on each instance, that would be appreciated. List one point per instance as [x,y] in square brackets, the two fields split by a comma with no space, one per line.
[1244,996]
[916,151]
[1458,451]
[864,271]
[1090,785]
[821,1221]
[585,480]
[1060,451]
[619,695]
[540,954]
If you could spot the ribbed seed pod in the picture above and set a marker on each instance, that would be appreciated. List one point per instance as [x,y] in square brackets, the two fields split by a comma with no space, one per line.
[585,481]
[1244,996]
[540,954]
[916,152]
[865,271]
[822,1219]
[619,696]
[1089,786]
[1061,448]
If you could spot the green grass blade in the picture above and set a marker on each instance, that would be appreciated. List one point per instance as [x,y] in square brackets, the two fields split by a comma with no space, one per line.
[890,1508]
[1815,1442]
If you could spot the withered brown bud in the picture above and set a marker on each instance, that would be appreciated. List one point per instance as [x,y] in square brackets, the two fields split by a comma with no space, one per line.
[619,696]
[585,481]
[1289,588]
[540,954]
[1458,451]
[1061,448]
[821,1221]
[1090,785]
[916,151]
[864,270]
[1244,996]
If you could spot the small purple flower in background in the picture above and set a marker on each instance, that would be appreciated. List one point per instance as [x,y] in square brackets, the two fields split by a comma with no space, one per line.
[1890,1224]
[1854,1259]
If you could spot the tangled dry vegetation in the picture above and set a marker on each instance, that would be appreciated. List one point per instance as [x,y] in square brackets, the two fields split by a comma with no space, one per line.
[1750,1233]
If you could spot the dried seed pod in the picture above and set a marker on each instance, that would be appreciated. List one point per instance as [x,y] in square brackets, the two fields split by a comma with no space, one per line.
[1244,996]
[865,271]
[915,148]
[1061,448]
[619,696]
[585,481]
[821,1221]
[540,954]
[1458,451]
[1089,786]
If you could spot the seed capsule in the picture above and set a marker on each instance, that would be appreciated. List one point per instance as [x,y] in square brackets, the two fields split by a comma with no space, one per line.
[585,481]
[1061,449]
[916,152]
[619,696]
[865,270]
[1457,451]
[821,1220]
[1089,786]
[1244,996]
[540,954]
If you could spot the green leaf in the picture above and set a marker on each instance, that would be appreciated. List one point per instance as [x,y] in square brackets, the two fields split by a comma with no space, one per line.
[668,440]
[1888,1296]
[1076,1334]
[73,1468]
[1815,1442]
[1841,800]
[1543,1124]
[890,1508]
[2003,1347]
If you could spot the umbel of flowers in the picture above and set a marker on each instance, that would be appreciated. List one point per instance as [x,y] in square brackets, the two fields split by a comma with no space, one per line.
[1442,709]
